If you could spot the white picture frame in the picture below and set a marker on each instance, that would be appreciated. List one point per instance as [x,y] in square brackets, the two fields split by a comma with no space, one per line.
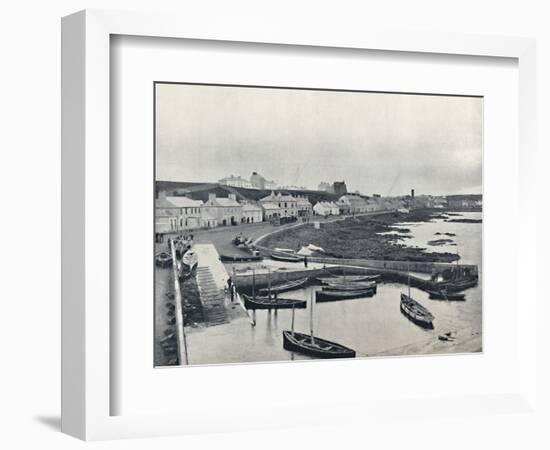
[86,357]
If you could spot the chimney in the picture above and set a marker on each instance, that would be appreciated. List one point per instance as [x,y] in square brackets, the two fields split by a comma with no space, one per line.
[233,197]
[211,197]
[412,194]
[162,194]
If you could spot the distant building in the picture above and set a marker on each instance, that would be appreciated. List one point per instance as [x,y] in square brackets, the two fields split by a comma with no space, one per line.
[287,205]
[225,210]
[474,201]
[325,186]
[189,212]
[340,188]
[175,214]
[303,206]
[252,213]
[259,182]
[235,181]
[271,211]
[326,209]
[166,216]
[352,204]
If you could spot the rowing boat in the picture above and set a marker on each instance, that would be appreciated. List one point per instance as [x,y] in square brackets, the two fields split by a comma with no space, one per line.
[331,296]
[284,287]
[286,258]
[348,278]
[314,346]
[415,312]
[444,295]
[272,303]
[350,286]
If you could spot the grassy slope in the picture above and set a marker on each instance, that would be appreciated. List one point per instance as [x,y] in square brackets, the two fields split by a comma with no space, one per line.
[358,238]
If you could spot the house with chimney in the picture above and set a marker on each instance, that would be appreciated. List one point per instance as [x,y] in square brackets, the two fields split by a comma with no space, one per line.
[252,213]
[287,204]
[224,210]
[352,204]
[176,214]
[303,206]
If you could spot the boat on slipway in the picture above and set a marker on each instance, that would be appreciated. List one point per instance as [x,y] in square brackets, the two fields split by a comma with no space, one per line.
[332,296]
[272,303]
[241,258]
[284,287]
[286,258]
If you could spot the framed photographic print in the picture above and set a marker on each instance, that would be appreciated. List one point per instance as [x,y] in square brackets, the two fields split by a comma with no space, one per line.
[292,210]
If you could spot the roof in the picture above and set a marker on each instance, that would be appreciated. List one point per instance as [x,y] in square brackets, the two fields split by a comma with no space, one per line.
[184,202]
[251,207]
[164,203]
[279,198]
[269,205]
[353,200]
[226,202]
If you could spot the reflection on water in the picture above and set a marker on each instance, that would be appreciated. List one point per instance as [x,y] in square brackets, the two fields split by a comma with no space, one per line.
[368,325]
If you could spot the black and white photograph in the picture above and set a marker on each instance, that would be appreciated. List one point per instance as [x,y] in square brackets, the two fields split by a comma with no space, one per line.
[301,224]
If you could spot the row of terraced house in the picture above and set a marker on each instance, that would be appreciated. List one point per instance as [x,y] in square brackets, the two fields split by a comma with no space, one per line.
[178,213]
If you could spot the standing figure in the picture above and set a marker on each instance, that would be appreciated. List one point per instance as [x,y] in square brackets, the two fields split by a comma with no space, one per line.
[305,262]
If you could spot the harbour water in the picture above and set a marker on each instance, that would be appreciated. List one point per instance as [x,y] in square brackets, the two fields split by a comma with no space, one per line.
[371,326]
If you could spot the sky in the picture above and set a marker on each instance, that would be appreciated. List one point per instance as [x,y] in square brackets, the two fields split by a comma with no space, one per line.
[376,142]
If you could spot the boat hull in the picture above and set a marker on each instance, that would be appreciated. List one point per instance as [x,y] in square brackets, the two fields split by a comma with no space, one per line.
[455,286]
[351,286]
[267,303]
[285,287]
[435,295]
[240,258]
[415,312]
[334,296]
[286,258]
[348,279]
[301,343]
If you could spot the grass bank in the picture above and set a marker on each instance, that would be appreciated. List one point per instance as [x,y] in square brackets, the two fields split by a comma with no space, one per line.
[359,237]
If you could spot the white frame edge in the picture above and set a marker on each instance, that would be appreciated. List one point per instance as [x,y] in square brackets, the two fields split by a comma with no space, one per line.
[86,172]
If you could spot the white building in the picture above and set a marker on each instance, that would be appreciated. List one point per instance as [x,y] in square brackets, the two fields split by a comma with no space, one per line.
[185,211]
[224,210]
[287,205]
[235,181]
[303,206]
[252,213]
[326,209]
[271,211]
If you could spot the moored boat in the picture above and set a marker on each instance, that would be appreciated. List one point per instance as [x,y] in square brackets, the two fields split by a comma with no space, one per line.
[455,285]
[272,303]
[444,295]
[286,258]
[348,278]
[332,296]
[314,346]
[284,287]
[350,286]
[415,312]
